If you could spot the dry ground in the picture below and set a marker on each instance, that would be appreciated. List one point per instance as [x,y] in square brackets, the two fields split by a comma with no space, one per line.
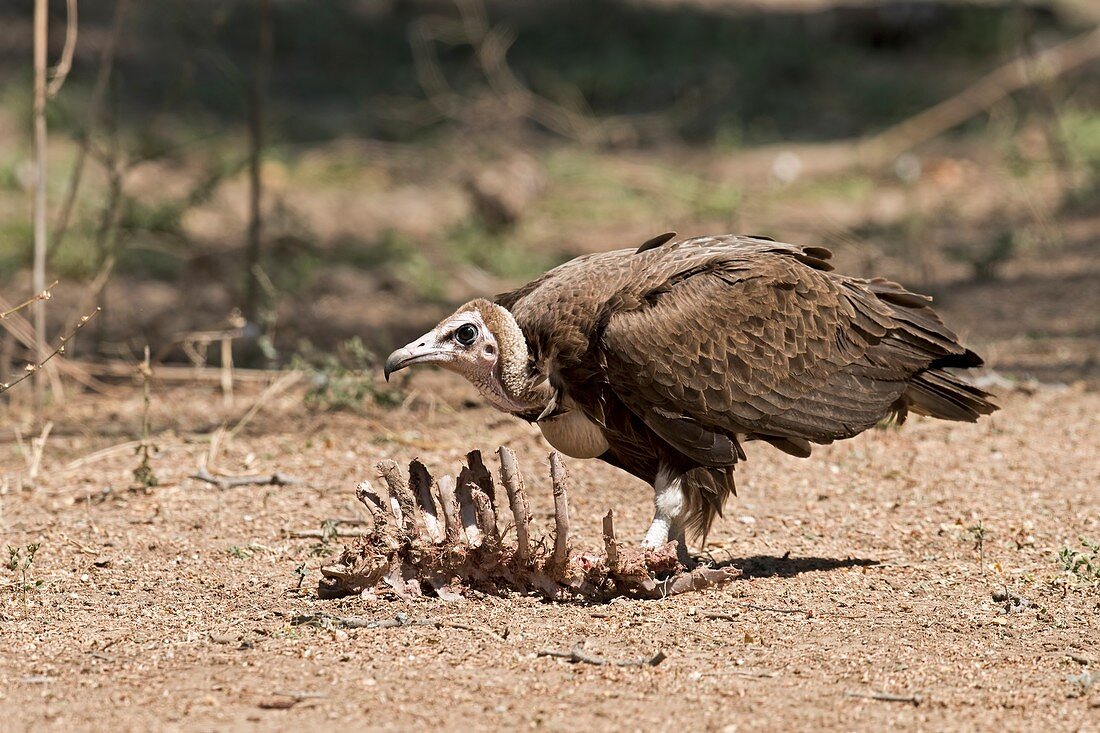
[172,609]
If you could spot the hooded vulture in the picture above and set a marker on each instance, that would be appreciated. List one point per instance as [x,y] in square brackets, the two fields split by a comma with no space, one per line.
[666,359]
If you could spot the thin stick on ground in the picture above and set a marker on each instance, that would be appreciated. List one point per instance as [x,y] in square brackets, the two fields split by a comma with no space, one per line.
[350,622]
[228,482]
[321,534]
[886,697]
[577,655]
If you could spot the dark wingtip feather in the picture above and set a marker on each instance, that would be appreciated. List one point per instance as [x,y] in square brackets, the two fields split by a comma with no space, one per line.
[940,394]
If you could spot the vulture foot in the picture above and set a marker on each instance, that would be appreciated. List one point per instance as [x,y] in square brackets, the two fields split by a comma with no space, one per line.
[441,538]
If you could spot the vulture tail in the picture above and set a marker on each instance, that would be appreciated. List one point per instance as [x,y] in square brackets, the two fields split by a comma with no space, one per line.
[935,392]
[706,490]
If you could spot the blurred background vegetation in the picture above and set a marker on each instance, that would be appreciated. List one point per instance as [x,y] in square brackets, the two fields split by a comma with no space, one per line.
[407,155]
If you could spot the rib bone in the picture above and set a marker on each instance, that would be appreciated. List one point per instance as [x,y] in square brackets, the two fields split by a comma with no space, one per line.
[512,479]
[449,502]
[560,479]
[420,483]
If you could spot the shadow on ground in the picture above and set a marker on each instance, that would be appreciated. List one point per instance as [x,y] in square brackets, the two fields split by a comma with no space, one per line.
[771,566]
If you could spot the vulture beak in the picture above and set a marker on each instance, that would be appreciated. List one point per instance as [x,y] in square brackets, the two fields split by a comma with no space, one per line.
[422,351]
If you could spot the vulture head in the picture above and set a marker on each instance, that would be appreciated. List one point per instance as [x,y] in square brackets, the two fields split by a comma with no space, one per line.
[482,342]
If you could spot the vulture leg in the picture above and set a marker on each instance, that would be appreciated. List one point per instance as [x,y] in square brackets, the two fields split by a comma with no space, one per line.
[669,507]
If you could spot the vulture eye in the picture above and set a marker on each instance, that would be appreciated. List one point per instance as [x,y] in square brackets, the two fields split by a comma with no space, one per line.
[466,334]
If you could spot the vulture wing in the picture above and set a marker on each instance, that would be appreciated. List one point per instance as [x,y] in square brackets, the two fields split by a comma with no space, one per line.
[760,341]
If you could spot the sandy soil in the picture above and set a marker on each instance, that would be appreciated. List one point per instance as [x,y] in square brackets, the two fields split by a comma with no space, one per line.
[172,609]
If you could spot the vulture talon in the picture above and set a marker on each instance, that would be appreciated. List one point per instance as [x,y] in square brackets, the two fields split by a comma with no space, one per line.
[664,364]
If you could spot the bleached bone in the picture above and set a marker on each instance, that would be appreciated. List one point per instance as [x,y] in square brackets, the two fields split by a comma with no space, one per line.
[420,483]
[369,498]
[560,479]
[406,511]
[486,517]
[466,508]
[512,479]
[610,543]
[451,515]
[480,474]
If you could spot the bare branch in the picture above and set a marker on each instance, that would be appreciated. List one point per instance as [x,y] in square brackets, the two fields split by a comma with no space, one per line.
[41,22]
[61,71]
[44,295]
[35,368]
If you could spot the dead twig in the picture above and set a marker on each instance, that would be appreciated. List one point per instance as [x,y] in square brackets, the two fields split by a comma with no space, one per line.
[751,673]
[323,534]
[20,328]
[228,482]
[886,697]
[719,615]
[771,609]
[44,295]
[61,71]
[35,368]
[143,474]
[301,695]
[324,620]
[284,382]
[577,655]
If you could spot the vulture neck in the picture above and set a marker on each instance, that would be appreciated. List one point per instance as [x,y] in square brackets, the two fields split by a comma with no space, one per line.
[518,387]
